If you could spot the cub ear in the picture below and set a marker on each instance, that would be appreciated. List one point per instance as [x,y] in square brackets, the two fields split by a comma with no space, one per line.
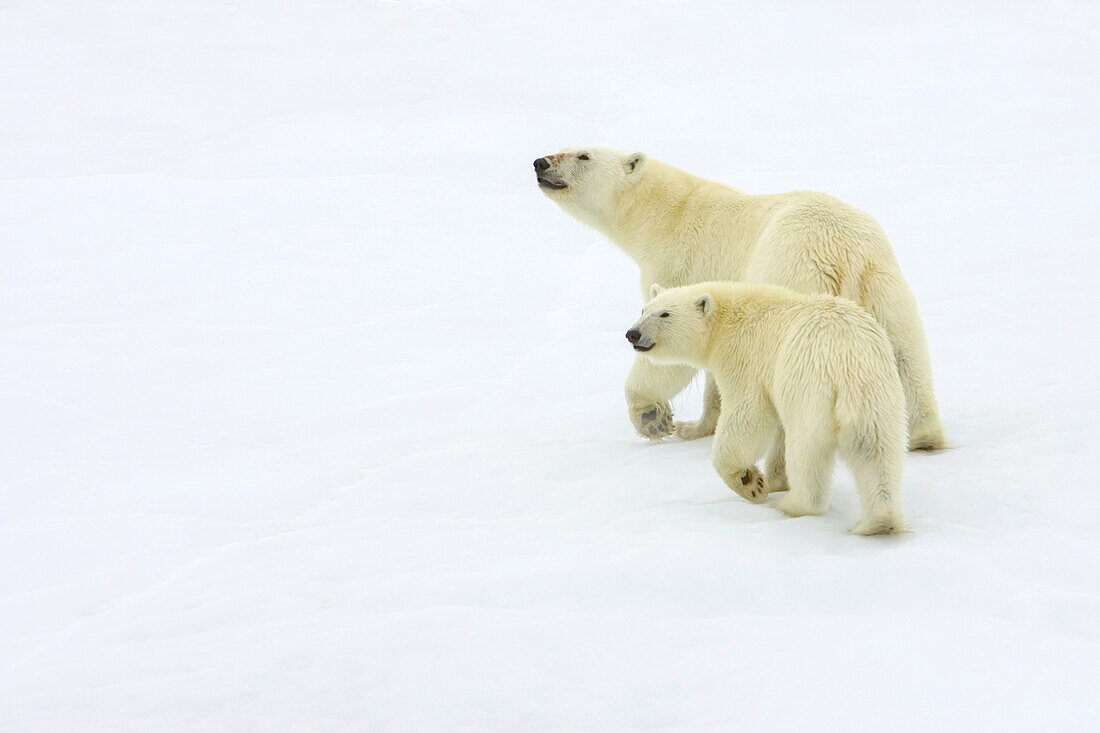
[655,290]
[705,304]
[634,165]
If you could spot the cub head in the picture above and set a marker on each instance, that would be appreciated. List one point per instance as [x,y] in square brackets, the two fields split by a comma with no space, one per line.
[675,325]
[587,182]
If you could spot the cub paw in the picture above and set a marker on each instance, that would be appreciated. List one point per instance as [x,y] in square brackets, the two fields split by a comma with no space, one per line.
[750,486]
[653,422]
[879,526]
[794,506]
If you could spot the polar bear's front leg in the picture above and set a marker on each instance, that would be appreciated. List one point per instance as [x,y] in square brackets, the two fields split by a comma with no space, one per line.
[705,425]
[749,483]
[743,434]
[648,391]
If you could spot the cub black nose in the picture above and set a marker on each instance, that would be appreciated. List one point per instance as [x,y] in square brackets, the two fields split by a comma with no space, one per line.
[541,164]
[633,335]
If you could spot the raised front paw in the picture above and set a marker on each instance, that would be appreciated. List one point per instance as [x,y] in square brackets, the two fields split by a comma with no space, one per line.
[750,486]
[653,422]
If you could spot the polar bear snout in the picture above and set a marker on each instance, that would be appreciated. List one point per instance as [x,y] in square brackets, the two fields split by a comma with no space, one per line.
[548,178]
[634,336]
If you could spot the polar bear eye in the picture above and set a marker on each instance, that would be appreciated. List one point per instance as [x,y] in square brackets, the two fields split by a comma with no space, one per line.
[582,156]
[664,315]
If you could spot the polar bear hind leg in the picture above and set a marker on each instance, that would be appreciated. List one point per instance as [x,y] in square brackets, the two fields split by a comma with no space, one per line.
[877,471]
[808,248]
[892,304]
[811,454]
[705,425]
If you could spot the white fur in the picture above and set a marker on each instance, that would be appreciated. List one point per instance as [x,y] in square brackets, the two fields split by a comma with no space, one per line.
[811,373]
[681,229]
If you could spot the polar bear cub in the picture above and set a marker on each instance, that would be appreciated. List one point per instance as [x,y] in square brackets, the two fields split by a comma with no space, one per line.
[815,372]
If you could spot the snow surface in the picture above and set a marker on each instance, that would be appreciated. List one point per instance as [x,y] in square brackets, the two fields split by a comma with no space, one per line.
[312,403]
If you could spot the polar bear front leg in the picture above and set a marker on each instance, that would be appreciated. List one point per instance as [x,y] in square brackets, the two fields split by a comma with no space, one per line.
[705,425]
[741,438]
[648,391]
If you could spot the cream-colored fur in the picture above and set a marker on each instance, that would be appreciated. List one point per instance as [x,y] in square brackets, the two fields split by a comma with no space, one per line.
[813,372]
[681,229]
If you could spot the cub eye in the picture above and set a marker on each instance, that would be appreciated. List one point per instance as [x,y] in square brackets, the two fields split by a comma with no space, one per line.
[582,156]
[664,315]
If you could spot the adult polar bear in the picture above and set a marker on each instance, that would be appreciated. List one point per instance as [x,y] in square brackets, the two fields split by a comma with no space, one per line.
[682,229]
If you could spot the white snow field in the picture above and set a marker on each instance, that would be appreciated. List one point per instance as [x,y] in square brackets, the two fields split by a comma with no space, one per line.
[312,403]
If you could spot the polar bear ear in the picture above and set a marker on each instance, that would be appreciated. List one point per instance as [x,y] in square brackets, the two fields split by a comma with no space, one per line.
[634,165]
[705,304]
[655,290]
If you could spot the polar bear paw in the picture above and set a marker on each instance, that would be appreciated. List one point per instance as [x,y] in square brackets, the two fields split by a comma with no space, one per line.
[750,486]
[880,525]
[927,435]
[796,506]
[694,430]
[653,422]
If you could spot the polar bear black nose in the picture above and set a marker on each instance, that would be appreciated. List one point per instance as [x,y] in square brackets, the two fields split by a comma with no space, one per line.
[542,164]
[633,335]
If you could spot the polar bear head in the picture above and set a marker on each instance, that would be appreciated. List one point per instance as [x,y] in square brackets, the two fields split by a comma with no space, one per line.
[587,182]
[675,325]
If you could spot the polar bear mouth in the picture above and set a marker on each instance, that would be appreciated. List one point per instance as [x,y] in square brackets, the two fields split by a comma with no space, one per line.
[551,184]
[639,347]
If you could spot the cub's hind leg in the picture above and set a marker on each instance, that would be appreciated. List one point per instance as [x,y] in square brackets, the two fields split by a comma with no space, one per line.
[877,468]
[810,457]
